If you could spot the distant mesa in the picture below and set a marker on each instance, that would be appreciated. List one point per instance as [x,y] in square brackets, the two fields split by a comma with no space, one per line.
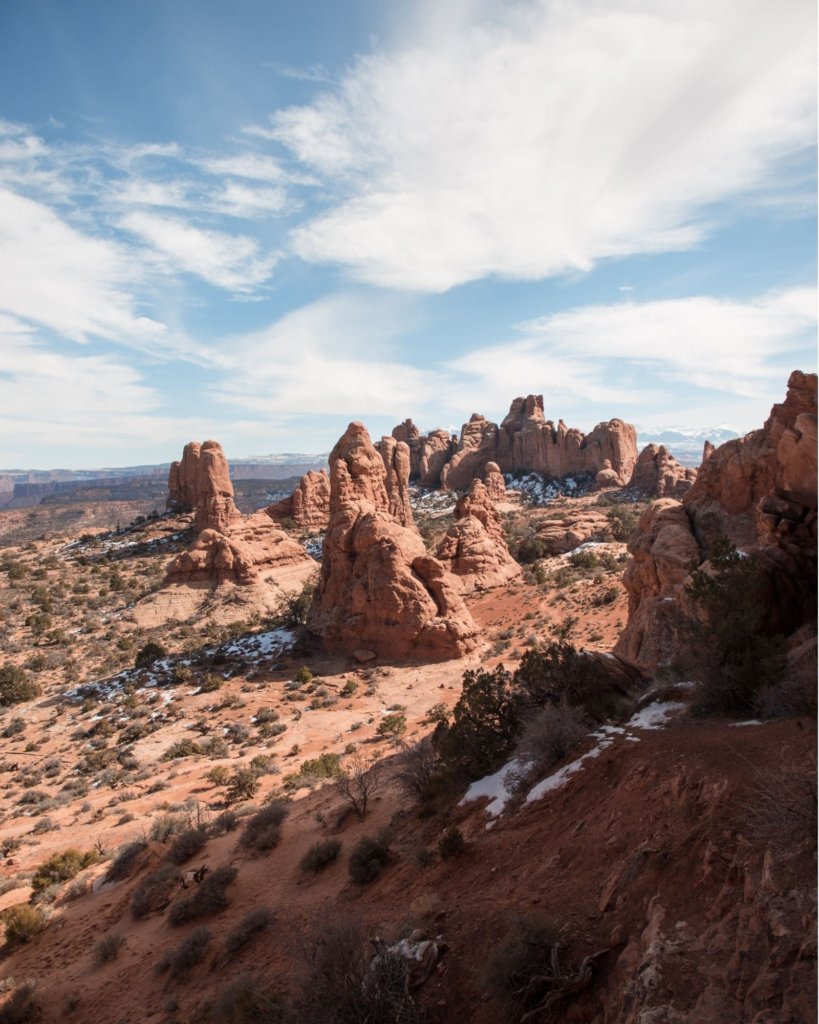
[759,492]
[525,442]
[379,589]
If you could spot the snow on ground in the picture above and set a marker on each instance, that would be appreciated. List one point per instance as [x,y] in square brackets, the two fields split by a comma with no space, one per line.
[314,546]
[540,492]
[434,503]
[495,787]
[259,645]
[655,716]
[751,721]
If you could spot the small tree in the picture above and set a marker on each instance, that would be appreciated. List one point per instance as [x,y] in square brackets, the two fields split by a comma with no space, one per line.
[358,782]
[148,654]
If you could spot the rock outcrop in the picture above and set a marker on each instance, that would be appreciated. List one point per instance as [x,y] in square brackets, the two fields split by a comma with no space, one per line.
[606,477]
[183,480]
[657,474]
[214,508]
[759,492]
[309,504]
[525,442]
[559,536]
[494,482]
[396,456]
[379,590]
[474,547]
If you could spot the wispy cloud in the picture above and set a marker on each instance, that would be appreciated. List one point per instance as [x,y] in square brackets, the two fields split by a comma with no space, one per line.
[543,137]
[308,73]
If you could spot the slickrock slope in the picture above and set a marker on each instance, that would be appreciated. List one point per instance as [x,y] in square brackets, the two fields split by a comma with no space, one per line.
[379,590]
[525,442]
[759,491]
[572,530]
[657,474]
[309,504]
[474,547]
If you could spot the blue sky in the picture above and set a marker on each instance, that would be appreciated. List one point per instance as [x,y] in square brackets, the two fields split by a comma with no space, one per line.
[258,221]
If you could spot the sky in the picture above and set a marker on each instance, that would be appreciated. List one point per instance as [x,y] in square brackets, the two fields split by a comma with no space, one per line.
[255,222]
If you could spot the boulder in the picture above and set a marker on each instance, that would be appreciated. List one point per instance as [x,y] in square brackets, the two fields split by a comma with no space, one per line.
[573,529]
[494,482]
[379,590]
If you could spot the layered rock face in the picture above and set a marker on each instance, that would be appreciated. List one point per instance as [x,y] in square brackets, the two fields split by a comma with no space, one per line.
[657,474]
[525,442]
[759,491]
[562,535]
[474,547]
[227,546]
[309,504]
[379,590]
[396,457]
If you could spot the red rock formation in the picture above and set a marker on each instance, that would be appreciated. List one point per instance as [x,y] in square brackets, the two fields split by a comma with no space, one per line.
[214,499]
[606,477]
[183,480]
[396,456]
[474,547]
[309,504]
[494,482]
[657,474]
[572,530]
[434,452]
[379,590]
[759,491]
[478,445]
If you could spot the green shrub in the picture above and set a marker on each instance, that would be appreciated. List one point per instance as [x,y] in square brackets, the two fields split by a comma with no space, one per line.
[531,550]
[622,522]
[15,686]
[368,858]
[242,785]
[182,748]
[165,826]
[314,771]
[392,726]
[60,867]
[208,897]
[320,855]
[304,675]
[148,654]
[484,723]
[20,1007]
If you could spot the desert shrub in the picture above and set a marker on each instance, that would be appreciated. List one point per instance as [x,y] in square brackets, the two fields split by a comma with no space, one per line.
[182,748]
[392,726]
[254,922]
[22,923]
[243,784]
[792,698]
[15,686]
[263,829]
[154,892]
[346,984]
[207,898]
[559,673]
[186,844]
[368,858]
[219,775]
[415,769]
[730,644]
[359,782]
[107,949]
[21,1007]
[622,522]
[165,826]
[548,737]
[484,724]
[780,811]
[124,861]
[60,867]
[320,855]
[190,952]
[224,822]
[148,654]
[451,843]
[530,550]
[314,771]
[525,970]
[304,675]
[293,608]
[247,1000]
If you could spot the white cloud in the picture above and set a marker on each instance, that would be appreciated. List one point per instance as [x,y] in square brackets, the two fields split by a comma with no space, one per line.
[546,136]
[233,262]
[54,275]
[246,165]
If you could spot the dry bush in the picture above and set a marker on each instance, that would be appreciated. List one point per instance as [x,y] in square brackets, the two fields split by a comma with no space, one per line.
[164,826]
[60,867]
[416,768]
[207,898]
[108,948]
[263,829]
[358,782]
[368,858]
[21,1007]
[345,984]
[781,810]
[154,892]
[452,843]
[320,855]
[125,860]
[190,951]
[186,844]
[22,923]
[247,1000]
[254,921]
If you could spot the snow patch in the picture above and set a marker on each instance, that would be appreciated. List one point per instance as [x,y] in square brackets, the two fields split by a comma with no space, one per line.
[495,787]
[656,715]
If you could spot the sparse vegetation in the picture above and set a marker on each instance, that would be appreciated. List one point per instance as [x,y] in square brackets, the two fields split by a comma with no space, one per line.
[22,923]
[320,855]
[255,921]
[368,858]
[61,867]
[108,948]
[154,892]
[125,860]
[15,686]
[358,782]
[186,844]
[452,843]
[190,952]
[263,829]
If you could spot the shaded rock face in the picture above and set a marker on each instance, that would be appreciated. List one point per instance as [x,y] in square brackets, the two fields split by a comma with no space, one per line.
[562,535]
[759,491]
[396,457]
[183,480]
[309,504]
[379,590]
[657,474]
[525,442]
[494,482]
[606,477]
[474,547]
